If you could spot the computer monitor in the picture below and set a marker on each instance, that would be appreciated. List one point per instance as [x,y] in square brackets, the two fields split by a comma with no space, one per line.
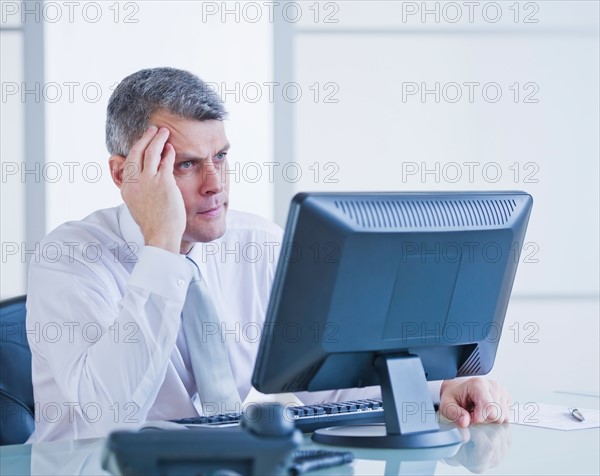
[390,289]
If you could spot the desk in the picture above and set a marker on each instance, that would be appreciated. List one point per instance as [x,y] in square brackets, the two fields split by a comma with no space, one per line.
[493,449]
[532,367]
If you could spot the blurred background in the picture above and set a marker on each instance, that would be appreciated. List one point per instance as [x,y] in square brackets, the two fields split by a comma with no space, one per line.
[329,95]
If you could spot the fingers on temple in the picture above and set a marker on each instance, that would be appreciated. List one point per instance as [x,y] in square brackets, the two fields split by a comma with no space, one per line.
[154,151]
[136,154]
[167,159]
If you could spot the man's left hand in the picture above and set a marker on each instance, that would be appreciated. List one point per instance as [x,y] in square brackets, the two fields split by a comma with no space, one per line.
[474,400]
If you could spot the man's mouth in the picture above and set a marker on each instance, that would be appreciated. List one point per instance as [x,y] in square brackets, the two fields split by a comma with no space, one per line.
[212,212]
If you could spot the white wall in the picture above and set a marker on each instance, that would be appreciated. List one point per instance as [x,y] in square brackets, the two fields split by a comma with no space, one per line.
[12,189]
[375,135]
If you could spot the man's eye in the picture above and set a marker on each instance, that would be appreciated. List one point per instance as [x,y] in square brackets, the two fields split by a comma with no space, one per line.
[186,165]
[221,156]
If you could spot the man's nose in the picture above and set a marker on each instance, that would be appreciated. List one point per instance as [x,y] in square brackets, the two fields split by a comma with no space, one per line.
[212,179]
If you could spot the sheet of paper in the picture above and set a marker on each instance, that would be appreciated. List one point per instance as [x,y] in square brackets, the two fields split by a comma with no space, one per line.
[552,416]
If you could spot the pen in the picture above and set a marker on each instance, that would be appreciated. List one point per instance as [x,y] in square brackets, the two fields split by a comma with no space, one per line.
[575,413]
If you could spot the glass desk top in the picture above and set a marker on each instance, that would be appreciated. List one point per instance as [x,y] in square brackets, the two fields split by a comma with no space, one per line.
[488,449]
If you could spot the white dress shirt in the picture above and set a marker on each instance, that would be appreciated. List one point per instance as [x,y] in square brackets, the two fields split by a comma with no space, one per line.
[104,314]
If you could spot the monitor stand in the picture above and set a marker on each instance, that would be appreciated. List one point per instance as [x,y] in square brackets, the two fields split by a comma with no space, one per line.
[410,419]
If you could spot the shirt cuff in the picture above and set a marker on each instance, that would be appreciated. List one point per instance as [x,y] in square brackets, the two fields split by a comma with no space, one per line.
[162,272]
[435,388]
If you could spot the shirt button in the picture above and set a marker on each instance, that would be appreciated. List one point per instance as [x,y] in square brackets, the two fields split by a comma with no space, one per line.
[180,282]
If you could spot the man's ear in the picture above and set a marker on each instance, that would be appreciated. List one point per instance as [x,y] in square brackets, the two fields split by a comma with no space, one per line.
[116,163]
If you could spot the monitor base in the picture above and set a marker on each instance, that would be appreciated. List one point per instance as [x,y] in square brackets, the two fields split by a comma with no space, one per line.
[375,436]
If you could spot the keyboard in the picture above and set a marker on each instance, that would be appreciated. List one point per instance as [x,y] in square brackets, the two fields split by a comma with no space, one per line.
[309,418]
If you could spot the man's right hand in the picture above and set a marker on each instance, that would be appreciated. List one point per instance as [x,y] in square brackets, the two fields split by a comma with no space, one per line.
[150,192]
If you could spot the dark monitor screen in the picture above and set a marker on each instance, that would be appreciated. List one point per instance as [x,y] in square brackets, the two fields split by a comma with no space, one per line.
[391,289]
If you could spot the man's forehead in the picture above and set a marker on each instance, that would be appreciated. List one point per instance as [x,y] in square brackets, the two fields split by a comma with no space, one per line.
[191,134]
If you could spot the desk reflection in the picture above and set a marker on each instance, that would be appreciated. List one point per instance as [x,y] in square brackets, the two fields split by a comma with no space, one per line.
[82,457]
[483,448]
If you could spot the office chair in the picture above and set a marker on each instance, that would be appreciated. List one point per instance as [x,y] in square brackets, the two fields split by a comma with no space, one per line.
[17,419]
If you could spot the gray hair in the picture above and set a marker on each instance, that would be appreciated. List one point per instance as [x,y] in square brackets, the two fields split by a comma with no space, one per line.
[143,93]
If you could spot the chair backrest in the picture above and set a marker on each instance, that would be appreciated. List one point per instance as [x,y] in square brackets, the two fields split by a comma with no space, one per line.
[17,420]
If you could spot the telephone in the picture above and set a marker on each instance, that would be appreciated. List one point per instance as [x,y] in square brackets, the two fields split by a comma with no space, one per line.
[262,444]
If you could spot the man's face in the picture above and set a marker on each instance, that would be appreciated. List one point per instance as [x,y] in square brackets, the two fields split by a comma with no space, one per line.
[200,172]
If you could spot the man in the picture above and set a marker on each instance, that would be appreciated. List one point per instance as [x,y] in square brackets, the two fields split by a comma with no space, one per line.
[126,352]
